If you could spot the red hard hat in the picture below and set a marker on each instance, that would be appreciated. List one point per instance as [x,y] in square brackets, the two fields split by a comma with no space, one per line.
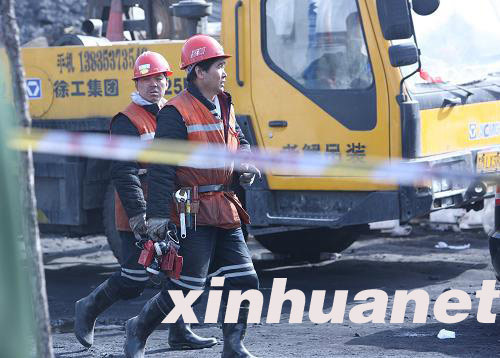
[200,48]
[150,63]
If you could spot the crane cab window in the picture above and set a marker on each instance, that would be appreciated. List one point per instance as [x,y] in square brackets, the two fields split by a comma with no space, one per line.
[318,43]
[319,47]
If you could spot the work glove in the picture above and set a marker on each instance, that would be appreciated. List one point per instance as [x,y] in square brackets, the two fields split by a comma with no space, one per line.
[249,171]
[157,228]
[138,225]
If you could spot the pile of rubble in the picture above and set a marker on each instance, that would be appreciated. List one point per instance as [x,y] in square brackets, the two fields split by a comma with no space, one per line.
[48,18]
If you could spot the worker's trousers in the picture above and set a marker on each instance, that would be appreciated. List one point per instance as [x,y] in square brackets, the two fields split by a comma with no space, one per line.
[211,251]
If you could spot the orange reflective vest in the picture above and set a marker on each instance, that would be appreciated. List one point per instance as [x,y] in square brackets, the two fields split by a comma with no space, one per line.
[221,209]
[145,122]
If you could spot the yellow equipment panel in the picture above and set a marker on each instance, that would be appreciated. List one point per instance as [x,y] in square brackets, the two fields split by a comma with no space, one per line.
[76,82]
[456,128]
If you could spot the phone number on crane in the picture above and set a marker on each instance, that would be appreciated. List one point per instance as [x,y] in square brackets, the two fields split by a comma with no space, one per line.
[109,59]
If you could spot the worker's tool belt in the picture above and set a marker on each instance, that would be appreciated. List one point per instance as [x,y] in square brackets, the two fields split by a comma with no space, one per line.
[213,188]
[188,204]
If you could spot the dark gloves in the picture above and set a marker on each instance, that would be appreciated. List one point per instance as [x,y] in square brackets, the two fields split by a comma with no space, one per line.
[248,176]
[157,228]
[138,225]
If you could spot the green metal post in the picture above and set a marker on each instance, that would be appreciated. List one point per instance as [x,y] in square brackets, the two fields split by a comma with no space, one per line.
[16,337]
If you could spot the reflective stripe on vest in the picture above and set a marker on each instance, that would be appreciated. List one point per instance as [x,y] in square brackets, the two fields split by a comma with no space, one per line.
[205,127]
[148,136]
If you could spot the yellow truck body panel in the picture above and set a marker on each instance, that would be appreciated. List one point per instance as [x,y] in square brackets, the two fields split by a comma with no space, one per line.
[74,82]
[457,128]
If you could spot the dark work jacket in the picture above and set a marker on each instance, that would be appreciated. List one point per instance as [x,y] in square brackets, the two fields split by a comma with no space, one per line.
[161,178]
[125,175]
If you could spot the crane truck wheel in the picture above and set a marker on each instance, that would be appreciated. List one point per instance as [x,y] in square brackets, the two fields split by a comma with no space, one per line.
[163,22]
[110,231]
[310,243]
[488,218]
[494,244]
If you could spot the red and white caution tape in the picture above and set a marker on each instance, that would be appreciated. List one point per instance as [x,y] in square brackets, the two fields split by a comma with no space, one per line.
[204,155]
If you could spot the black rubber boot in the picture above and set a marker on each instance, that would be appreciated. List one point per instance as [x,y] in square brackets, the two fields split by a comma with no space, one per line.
[180,336]
[139,328]
[234,333]
[88,308]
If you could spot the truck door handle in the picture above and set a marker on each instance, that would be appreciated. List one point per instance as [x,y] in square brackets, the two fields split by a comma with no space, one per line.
[451,101]
[275,124]
[237,42]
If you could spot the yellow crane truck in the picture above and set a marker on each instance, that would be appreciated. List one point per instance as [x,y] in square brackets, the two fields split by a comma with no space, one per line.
[353,79]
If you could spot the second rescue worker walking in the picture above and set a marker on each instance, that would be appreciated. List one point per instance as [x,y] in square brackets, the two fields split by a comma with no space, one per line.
[214,244]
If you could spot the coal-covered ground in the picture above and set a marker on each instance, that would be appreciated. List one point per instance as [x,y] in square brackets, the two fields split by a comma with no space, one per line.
[75,266]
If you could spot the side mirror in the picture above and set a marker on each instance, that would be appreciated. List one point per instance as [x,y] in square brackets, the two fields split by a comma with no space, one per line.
[394,18]
[403,54]
[425,7]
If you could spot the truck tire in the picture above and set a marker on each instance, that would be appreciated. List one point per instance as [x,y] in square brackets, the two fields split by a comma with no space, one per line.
[488,218]
[309,243]
[494,244]
[163,22]
[110,231]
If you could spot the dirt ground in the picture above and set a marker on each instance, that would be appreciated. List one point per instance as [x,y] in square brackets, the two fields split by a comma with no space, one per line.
[376,261]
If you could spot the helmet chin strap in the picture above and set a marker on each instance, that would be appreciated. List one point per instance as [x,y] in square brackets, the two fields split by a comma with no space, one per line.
[190,68]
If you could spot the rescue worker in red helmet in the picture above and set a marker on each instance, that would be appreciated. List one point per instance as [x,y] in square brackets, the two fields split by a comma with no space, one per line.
[138,119]
[215,246]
